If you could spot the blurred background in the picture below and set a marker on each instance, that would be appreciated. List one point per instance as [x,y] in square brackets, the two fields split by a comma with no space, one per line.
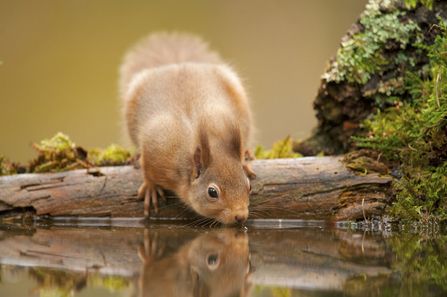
[61,59]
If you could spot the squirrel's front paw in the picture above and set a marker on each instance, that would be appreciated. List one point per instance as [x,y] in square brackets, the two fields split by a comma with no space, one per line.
[149,191]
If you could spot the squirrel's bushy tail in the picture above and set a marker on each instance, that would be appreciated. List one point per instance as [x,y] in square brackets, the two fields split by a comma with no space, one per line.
[161,49]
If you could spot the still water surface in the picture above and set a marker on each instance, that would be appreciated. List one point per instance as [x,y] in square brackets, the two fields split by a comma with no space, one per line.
[266,258]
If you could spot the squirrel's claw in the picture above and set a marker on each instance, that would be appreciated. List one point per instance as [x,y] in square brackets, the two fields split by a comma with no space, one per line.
[161,193]
[144,193]
[150,251]
[154,200]
[149,193]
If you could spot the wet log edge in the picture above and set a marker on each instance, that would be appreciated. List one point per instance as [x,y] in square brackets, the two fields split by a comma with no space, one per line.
[319,188]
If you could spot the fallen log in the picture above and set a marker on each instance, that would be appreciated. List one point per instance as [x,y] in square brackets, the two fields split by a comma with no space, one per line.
[320,188]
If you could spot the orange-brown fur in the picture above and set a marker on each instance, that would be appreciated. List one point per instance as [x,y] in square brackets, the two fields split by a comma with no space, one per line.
[189,113]
[189,272]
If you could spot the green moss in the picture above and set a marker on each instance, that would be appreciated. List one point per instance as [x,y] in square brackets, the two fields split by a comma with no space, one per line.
[415,134]
[414,3]
[112,155]
[362,54]
[59,142]
[6,168]
[61,154]
[280,149]
[57,154]
[364,161]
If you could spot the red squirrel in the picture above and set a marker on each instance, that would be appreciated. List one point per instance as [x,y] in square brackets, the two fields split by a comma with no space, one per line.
[189,114]
[213,264]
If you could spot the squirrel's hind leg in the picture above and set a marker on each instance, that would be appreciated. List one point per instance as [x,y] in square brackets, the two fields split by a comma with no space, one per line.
[248,156]
[249,171]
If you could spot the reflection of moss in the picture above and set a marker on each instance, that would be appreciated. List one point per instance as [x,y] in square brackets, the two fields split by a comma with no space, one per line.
[55,282]
[112,283]
[54,292]
[363,285]
[281,292]
[419,267]
[280,149]
[419,262]
[267,290]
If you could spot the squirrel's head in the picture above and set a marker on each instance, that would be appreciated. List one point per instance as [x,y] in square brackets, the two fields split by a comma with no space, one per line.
[220,187]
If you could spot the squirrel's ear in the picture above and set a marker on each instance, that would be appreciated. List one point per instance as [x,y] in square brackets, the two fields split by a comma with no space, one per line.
[197,162]
[236,141]
[205,148]
[202,156]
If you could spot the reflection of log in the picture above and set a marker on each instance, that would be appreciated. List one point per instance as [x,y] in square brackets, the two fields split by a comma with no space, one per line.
[304,188]
[315,260]
[302,258]
[103,251]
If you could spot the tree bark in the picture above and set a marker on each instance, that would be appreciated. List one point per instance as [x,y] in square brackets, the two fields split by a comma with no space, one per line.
[305,188]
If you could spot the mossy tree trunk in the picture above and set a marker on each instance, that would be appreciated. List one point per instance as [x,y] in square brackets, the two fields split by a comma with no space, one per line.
[369,69]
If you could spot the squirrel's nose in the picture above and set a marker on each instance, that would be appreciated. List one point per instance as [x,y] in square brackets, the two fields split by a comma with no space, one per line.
[240,218]
[240,214]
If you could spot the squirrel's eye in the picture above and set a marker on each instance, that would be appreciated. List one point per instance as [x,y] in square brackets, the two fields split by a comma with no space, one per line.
[212,259]
[212,192]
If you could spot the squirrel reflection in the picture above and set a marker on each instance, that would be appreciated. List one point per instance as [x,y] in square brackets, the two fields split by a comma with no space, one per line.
[213,264]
